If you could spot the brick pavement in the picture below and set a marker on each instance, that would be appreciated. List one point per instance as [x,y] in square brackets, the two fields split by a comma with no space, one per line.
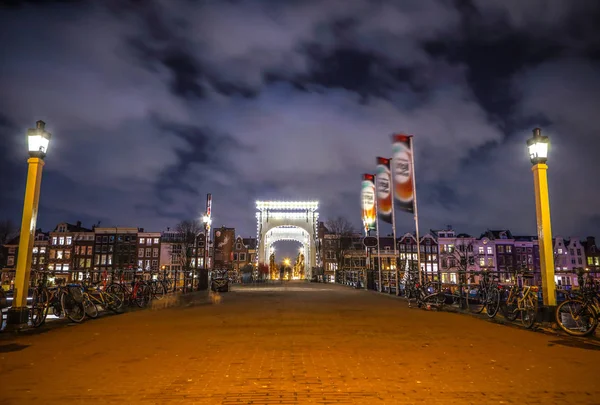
[295,344]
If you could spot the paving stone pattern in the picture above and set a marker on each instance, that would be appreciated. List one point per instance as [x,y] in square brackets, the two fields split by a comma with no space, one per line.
[298,343]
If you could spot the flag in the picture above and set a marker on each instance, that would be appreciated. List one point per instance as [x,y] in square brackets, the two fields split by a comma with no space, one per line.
[383,182]
[368,202]
[402,161]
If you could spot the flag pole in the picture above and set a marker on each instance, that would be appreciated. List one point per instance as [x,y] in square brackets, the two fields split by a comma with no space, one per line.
[416,211]
[394,228]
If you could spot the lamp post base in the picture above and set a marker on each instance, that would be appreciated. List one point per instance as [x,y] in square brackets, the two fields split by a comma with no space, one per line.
[17,319]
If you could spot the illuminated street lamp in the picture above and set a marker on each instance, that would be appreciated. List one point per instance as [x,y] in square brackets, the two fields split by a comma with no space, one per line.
[38,141]
[538,153]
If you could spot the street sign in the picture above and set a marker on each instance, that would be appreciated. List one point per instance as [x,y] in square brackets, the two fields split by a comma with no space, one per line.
[370,241]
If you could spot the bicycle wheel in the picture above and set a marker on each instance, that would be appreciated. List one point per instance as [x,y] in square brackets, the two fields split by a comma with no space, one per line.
[529,312]
[73,310]
[143,295]
[476,299]
[119,291]
[89,307]
[113,302]
[158,291]
[493,302]
[39,307]
[576,317]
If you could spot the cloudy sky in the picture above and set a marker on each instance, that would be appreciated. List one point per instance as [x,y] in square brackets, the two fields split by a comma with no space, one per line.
[152,104]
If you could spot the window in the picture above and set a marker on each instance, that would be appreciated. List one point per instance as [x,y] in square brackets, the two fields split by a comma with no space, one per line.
[65,267]
[572,261]
[97,260]
[69,240]
[54,240]
[490,262]
[12,250]
[104,248]
[579,261]
[149,250]
[500,249]
[59,254]
[141,252]
[149,242]
[76,250]
[560,251]
[67,254]
[88,263]
[147,264]
[42,259]
[402,248]
[572,252]
[156,241]
[481,250]
[103,260]
[578,252]
[235,257]
[98,239]
[10,261]
[142,241]
[89,250]
[105,239]
[489,250]
[154,264]
[508,249]
[155,252]
[109,259]
[111,239]
[243,256]
[238,246]
[98,248]
[140,263]
[590,261]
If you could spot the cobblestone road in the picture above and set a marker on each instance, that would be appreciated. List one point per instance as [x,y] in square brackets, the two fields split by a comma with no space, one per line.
[296,344]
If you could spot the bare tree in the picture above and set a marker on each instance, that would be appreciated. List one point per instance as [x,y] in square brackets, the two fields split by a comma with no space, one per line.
[343,231]
[461,257]
[8,230]
[184,249]
[340,226]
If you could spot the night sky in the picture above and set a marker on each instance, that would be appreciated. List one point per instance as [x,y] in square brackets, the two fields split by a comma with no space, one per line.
[153,104]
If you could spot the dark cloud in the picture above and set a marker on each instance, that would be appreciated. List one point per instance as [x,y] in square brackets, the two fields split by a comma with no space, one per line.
[153,104]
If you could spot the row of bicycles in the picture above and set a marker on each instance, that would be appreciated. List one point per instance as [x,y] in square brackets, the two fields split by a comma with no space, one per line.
[76,301]
[577,314]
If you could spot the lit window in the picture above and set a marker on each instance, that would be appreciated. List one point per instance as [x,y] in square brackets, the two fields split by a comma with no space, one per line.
[10,261]
[140,263]
[42,250]
[508,249]
[149,241]
[489,250]
[156,240]
[65,267]
[59,254]
[69,240]
[142,241]
[481,251]
[54,240]
[35,250]
[482,261]
[61,240]
[560,251]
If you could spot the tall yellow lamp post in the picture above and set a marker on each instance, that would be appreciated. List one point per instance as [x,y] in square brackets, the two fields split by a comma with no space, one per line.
[538,153]
[37,140]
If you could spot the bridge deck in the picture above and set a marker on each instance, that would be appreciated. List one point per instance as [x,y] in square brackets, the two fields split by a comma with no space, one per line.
[296,343]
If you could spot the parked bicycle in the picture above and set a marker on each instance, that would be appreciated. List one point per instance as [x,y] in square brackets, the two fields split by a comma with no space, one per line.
[521,300]
[135,292]
[578,315]
[100,298]
[67,300]
[485,295]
